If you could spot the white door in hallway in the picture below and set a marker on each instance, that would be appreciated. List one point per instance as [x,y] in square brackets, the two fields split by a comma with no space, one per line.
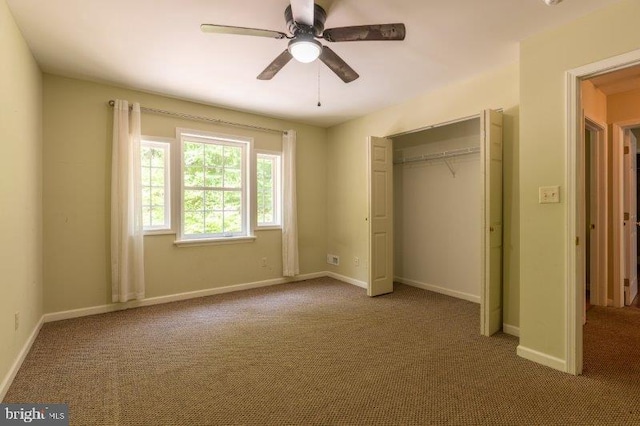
[380,179]
[630,218]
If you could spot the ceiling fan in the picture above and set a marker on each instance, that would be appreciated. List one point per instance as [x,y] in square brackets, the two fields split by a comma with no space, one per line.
[305,23]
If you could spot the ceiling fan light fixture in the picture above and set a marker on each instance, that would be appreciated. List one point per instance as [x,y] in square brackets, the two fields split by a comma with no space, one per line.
[305,49]
[551,2]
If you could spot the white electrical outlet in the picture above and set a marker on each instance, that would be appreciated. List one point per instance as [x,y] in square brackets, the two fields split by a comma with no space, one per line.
[263,262]
[548,194]
[332,259]
[16,320]
[356,261]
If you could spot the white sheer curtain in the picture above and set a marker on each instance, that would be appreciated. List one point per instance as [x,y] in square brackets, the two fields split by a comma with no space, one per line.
[127,244]
[290,266]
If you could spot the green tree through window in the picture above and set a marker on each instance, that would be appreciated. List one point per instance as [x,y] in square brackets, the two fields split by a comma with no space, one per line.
[213,188]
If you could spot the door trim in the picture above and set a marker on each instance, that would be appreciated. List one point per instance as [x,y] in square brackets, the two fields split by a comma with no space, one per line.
[573,276]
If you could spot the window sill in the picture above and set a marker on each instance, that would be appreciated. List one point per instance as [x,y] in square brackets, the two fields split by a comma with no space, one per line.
[159,232]
[214,241]
[269,228]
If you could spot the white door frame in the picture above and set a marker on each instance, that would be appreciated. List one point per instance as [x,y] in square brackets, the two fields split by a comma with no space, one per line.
[574,276]
[599,281]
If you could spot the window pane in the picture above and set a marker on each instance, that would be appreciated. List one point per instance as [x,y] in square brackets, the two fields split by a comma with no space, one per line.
[193,177]
[213,178]
[157,157]
[157,197]
[212,186]
[145,156]
[214,155]
[145,174]
[157,176]
[232,200]
[266,186]
[193,223]
[264,168]
[213,201]
[232,156]
[155,191]
[193,200]
[146,196]
[193,154]
[232,222]
[232,178]
[157,216]
[214,222]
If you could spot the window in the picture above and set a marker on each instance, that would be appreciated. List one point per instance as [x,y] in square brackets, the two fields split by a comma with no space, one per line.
[155,183]
[268,188]
[213,186]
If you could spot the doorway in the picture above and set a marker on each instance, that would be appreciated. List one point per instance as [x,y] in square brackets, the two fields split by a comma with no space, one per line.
[576,203]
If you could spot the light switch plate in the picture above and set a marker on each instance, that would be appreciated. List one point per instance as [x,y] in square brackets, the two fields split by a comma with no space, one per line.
[548,194]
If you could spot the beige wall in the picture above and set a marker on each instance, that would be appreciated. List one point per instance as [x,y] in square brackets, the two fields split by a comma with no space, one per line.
[594,102]
[20,192]
[544,60]
[347,153]
[623,106]
[77,158]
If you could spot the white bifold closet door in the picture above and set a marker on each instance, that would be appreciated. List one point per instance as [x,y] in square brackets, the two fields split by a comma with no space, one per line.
[380,179]
[491,166]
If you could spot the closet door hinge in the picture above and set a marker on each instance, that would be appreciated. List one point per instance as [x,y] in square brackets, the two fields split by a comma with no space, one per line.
[626,282]
[626,149]
[577,241]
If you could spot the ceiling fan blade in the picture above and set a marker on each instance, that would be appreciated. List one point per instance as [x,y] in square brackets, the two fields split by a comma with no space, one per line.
[303,11]
[278,63]
[225,29]
[337,65]
[366,32]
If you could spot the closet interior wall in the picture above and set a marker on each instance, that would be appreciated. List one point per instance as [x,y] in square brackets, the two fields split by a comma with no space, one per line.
[438,210]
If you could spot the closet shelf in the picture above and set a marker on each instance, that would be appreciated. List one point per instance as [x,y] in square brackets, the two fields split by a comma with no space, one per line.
[438,155]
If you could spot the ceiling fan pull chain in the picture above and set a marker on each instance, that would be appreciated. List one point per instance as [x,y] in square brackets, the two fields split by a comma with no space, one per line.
[319,103]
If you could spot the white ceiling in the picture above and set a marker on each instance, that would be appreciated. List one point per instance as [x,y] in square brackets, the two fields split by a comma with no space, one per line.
[157,46]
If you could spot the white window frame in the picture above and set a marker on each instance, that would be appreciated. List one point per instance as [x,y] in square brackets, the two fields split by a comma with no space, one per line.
[277,190]
[166,145]
[199,136]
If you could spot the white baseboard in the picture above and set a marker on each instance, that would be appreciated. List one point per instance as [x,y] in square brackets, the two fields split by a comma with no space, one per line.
[103,309]
[436,289]
[511,329]
[11,374]
[347,280]
[542,358]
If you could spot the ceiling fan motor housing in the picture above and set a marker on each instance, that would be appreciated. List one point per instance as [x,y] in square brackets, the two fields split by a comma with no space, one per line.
[319,18]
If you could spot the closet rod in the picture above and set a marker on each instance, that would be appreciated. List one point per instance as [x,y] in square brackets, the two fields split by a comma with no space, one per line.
[205,119]
[439,155]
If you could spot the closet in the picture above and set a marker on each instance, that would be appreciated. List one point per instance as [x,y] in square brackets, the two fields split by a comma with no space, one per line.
[447,211]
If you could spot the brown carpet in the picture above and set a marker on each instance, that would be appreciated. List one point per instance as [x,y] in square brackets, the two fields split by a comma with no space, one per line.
[322,352]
